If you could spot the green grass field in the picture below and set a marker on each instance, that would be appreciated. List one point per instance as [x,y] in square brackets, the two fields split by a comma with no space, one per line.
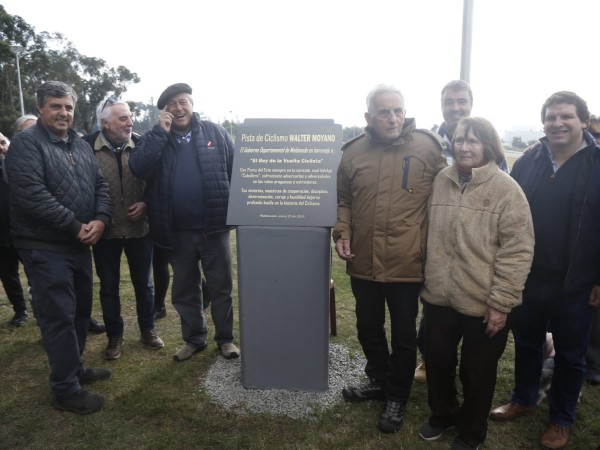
[155,403]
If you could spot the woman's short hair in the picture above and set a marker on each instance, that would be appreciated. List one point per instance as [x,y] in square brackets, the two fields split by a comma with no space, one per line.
[486,133]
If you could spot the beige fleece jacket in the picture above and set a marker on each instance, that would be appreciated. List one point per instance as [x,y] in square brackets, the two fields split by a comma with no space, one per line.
[480,242]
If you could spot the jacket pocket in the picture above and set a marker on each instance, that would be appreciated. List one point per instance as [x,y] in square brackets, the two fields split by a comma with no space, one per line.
[413,171]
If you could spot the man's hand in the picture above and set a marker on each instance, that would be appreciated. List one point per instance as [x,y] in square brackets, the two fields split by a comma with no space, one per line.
[342,247]
[165,119]
[595,297]
[495,320]
[136,211]
[91,232]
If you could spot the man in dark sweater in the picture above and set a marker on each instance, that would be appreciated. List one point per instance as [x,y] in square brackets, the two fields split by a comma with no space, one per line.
[561,178]
[187,163]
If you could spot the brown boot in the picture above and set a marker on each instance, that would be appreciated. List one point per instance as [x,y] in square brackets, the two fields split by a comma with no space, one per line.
[556,436]
[510,411]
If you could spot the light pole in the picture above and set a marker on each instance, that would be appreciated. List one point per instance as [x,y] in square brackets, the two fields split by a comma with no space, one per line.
[18,51]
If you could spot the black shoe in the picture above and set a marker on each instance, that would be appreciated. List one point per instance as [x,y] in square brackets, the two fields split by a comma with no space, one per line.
[19,319]
[95,327]
[81,402]
[371,390]
[91,375]
[429,433]
[160,313]
[391,419]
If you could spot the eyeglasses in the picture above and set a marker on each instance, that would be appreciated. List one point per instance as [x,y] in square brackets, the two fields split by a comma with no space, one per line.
[596,134]
[109,101]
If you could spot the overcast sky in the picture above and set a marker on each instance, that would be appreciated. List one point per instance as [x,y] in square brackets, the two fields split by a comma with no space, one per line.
[319,58]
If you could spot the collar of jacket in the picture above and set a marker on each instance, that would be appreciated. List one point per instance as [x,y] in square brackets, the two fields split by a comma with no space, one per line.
[480,174]
[405,135]
[101,142]
[587,139]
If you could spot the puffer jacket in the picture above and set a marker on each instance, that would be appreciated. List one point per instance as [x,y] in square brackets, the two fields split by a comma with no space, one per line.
[125,189]
[55,187]
[382,203]
[154,159]
[480,242]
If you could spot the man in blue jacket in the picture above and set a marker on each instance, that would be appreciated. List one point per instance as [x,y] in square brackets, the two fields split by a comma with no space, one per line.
[187,163]
[561,178]
[59,206]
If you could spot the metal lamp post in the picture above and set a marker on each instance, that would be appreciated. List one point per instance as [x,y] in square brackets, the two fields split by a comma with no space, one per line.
[18,51]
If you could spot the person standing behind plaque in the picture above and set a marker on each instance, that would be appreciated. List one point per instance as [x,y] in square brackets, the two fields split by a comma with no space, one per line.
[383,183]
[187,163]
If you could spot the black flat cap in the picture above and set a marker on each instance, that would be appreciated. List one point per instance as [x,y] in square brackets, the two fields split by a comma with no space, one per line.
[174,89]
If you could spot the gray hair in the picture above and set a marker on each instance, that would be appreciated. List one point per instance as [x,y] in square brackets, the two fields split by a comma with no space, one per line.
[21,120]
[380,89]
[103,109]
[56,89]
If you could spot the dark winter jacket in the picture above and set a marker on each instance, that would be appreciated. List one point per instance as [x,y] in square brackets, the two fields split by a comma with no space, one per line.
[55,187]
[154,159]
[4,211]
[584,221]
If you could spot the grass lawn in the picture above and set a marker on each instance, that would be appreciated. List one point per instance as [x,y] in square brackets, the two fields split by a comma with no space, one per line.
[155,403]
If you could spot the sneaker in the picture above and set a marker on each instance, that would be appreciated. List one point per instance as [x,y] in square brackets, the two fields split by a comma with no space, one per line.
[19,319]
[152,340]
[91,375]
[80,402]
[113,349]
[160,313]
[430,433]
[391,419]
[421,373]
[187,351]
[459,444]
[371,390]
[230,350]
[95,327]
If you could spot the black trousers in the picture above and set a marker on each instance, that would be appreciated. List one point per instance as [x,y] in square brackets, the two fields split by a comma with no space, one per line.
[479,355]
[9,275]
[394,368]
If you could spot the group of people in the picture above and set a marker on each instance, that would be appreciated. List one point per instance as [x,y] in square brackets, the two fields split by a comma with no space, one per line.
[71,198]
[421,215]
[436,217]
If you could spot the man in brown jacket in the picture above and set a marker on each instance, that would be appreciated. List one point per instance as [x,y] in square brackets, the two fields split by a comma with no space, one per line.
[126,233]
[383,183]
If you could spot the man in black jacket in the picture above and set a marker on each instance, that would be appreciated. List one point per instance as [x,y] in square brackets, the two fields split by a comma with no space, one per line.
[59,205]
[187,163]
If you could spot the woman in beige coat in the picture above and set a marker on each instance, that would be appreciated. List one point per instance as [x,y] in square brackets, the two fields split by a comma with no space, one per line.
[479,252]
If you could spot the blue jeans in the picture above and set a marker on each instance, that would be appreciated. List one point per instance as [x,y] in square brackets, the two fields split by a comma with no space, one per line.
[570,317]
[396,368]
[107,257]
[62,283]
[214,254]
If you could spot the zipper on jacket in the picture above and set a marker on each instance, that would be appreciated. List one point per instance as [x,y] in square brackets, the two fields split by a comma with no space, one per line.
[71,159]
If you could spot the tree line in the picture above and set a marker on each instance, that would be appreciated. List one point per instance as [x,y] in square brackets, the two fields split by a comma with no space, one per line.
[51,56]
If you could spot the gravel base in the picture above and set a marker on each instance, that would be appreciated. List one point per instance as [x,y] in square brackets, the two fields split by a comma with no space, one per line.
[223,384]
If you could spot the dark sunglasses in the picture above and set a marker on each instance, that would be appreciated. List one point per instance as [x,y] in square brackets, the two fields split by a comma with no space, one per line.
[109,101]
[596,134]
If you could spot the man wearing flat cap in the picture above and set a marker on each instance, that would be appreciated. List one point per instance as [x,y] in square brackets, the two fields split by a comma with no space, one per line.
[187,164]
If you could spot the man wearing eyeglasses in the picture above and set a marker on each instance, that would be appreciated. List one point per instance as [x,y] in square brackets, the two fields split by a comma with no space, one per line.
[127,231]
[383,184]
[59,205]
[187,163]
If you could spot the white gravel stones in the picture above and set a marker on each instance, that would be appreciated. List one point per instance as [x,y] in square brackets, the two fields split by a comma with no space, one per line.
[223,384]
